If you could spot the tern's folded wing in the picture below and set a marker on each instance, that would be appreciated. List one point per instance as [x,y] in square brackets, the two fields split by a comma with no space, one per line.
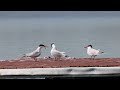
[34,53]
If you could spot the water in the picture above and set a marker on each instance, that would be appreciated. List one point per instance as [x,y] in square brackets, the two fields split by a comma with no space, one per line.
[22,32]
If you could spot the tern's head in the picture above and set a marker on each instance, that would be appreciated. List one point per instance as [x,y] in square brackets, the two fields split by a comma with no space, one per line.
[41,45]
[88,46]
[52,45]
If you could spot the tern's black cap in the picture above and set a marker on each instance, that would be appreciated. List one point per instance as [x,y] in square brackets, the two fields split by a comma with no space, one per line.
[90,46]
[52,44]
[41,45]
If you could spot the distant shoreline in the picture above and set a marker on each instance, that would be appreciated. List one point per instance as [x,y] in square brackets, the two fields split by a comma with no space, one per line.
[50,63]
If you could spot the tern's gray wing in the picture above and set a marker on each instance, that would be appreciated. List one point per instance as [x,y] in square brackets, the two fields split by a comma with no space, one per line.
[59,54]
[33,54]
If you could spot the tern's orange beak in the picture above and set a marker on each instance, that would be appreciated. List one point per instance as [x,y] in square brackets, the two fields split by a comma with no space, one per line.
[86,47]
[46,46]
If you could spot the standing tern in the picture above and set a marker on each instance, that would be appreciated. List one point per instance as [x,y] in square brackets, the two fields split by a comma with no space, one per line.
[55,53]
[92,52]
[36,53]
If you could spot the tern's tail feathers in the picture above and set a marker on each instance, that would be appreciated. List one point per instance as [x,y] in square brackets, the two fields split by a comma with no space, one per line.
[66,56]
[24,55]
[102,52]
[98,49]
[63,52]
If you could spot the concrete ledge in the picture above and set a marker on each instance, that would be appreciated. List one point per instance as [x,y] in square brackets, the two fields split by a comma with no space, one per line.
[78,71]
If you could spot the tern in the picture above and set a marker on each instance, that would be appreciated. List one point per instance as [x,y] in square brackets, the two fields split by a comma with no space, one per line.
[92,52]
[55,53]
[36,53]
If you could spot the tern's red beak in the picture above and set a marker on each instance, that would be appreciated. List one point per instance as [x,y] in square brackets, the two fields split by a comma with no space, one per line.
[86,47]
[46,46]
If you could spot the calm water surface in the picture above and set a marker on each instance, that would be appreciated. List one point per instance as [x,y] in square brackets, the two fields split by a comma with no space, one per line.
[21,34]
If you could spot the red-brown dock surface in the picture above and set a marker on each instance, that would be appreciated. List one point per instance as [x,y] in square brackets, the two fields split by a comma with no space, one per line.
[51,63]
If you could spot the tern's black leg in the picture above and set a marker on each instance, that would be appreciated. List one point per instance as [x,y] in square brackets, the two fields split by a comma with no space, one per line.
[55,58]
[35,59]
[91,58]
[94,57]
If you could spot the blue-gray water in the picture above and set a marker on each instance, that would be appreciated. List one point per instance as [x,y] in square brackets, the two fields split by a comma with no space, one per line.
[22,32]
